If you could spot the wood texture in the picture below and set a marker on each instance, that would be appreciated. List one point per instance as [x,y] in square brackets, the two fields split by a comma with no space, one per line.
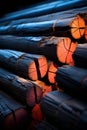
[45,8]
[21,89]
[70,27]
[13,115]
[73,80]
[24,64]
[64,111]
[57,49]
[80,55]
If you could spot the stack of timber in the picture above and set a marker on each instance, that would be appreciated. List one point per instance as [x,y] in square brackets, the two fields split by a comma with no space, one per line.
[53,48]
[13,115]
[35,44]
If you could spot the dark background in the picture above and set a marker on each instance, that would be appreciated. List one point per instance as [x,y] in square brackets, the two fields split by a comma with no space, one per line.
[7,6]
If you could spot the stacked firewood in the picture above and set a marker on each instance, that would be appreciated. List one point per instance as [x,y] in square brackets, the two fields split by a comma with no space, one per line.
[43,67]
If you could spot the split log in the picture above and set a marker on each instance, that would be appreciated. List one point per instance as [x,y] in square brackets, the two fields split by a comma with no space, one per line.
[58,49]
[46,8]
[13,115]
[72,80]
[26,65]
[64,111]
[69,27]
[44,125]
[80,55]
[52,16]
[21,89]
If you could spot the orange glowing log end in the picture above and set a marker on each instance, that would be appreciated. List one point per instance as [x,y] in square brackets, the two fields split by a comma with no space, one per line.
[77,27]
[65,49]
[38,69]
[53,67]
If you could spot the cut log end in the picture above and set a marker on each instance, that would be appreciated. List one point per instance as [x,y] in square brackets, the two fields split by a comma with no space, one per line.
[52,72]
[34,95]
[77,27]
[18,121]
[65,49]
[38,70]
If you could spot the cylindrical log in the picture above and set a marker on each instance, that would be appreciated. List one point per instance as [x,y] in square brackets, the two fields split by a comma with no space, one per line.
[26,65]
[80,55]
[64,111]
[45,125]
[54,48]
[13,115]
[53,16]
[46,8]
[21,89]
[72,80]
[73,27]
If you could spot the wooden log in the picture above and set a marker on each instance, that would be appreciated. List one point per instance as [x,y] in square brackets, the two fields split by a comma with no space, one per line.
[13,115]
[58,49]
[69,27]
[21,89]
[52,16]
[46,8]
[45,125]
[64,111]
[26,65]
[80,55]
[73,80]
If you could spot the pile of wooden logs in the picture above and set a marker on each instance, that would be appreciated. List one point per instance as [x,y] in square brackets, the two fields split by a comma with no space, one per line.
[43,67]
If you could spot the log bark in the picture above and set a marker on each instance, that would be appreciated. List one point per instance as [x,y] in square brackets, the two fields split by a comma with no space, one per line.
[64,111]
[26,65]
[73,27]
[53,16]
[80,55]
[13,115]
[46,8]
[21,89]
[73,80]
[45,125]
[58,49]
